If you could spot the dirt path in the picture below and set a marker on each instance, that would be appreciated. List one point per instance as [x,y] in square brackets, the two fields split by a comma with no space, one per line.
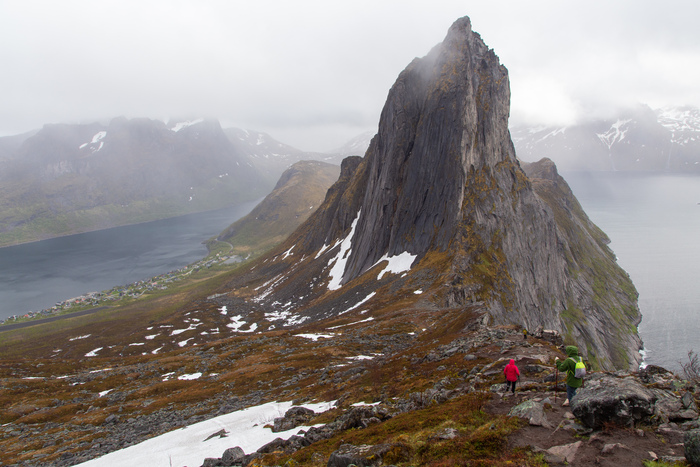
[615,447]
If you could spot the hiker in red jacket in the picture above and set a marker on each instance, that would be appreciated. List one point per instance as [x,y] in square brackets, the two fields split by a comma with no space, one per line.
[512,375]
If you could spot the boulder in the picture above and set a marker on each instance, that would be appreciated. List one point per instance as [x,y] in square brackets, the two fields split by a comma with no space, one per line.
[360,456]
[606,398]
[293,418]
[233,456]
[212,462]
[691,443]
[670,407]
[563,454]
[532,411]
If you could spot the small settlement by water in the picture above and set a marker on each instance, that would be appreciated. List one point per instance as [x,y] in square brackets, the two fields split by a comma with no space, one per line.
[133,290]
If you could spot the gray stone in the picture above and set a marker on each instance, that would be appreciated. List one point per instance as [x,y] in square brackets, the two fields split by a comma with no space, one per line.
[212,462]
[610,448]
[532,411]
[691,443]
[233,456]
[293,418]
[623,401]
[360,456]
[564,453]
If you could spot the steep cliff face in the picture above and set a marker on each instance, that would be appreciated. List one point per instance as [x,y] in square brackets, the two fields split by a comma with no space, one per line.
[440,189]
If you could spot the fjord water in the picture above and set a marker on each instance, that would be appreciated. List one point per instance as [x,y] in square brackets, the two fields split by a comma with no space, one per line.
[34,276]
[653,222]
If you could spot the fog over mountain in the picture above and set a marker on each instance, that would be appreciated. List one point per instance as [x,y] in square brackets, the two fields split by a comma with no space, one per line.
[314,74]
[634,140]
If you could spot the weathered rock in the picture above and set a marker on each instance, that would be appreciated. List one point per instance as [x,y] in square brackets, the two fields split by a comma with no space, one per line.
[212,462]
[441,176]
[276,444]
[610,448]
[361,456]
[562,454]
[623,401]
[233,456]
[670,407]
[293,418]
[219,434]
[691,443]
[532,411]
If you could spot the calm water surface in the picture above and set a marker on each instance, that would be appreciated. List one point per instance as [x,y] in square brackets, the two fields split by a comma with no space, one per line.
[35,276]
[653,222]
[654,226]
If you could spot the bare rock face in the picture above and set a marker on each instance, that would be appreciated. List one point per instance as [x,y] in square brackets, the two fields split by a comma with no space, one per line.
[441,182]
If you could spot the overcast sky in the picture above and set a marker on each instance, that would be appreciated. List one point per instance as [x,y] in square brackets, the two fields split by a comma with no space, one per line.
[314,74]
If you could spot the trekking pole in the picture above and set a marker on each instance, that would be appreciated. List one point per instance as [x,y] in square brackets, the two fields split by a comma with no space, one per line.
[556,384]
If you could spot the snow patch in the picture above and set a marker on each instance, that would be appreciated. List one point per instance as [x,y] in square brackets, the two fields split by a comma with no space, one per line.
[358,304]
[190,377]
[315,337]
[79,337]
[352,324]
[189,445]
[397,264]
[339,262]
[93,353]
[179,126]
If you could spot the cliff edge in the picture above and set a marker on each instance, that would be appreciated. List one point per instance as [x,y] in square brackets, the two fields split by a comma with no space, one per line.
[441,192]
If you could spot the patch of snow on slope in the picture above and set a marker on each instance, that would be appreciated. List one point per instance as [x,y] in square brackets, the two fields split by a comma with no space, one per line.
[192,327]
[190,377]
[352,324]
[338,269]
[290,319]
[79,337]
[288,252]
[615,134]
[237,323]
[190,446]
[397,264]
[93,353]
[362,357]
[179,126]
[315,337]
[552,133]
[358,304]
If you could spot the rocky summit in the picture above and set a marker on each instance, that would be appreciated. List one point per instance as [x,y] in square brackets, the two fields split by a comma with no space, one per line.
[441,205]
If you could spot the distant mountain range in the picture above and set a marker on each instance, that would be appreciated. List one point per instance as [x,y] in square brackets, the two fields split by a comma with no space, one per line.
[635,140]
[65,179]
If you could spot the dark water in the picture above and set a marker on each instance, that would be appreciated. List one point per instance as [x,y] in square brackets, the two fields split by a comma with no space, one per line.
[35,276]
[654,226]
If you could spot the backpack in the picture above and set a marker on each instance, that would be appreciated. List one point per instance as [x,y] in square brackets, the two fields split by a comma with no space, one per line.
[580,369]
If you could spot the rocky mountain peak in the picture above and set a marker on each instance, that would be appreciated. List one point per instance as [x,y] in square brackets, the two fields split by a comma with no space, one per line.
[440,203]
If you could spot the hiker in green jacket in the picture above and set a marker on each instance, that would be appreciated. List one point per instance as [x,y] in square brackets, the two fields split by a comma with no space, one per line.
[569,365]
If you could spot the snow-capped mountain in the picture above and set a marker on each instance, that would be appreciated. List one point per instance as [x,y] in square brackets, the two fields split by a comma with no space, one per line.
[272,157]
[640,140]
[357,146]
[67,178]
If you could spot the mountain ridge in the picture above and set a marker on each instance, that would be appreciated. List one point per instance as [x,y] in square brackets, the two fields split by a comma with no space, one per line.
[65,179]
[638,139]
[454,198]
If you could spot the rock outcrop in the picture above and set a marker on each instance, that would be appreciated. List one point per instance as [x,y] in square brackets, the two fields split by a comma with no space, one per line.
[440,187]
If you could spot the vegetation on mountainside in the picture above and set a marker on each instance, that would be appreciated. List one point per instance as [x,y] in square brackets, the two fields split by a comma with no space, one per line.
[32,221]
[299,192]
[597,265]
